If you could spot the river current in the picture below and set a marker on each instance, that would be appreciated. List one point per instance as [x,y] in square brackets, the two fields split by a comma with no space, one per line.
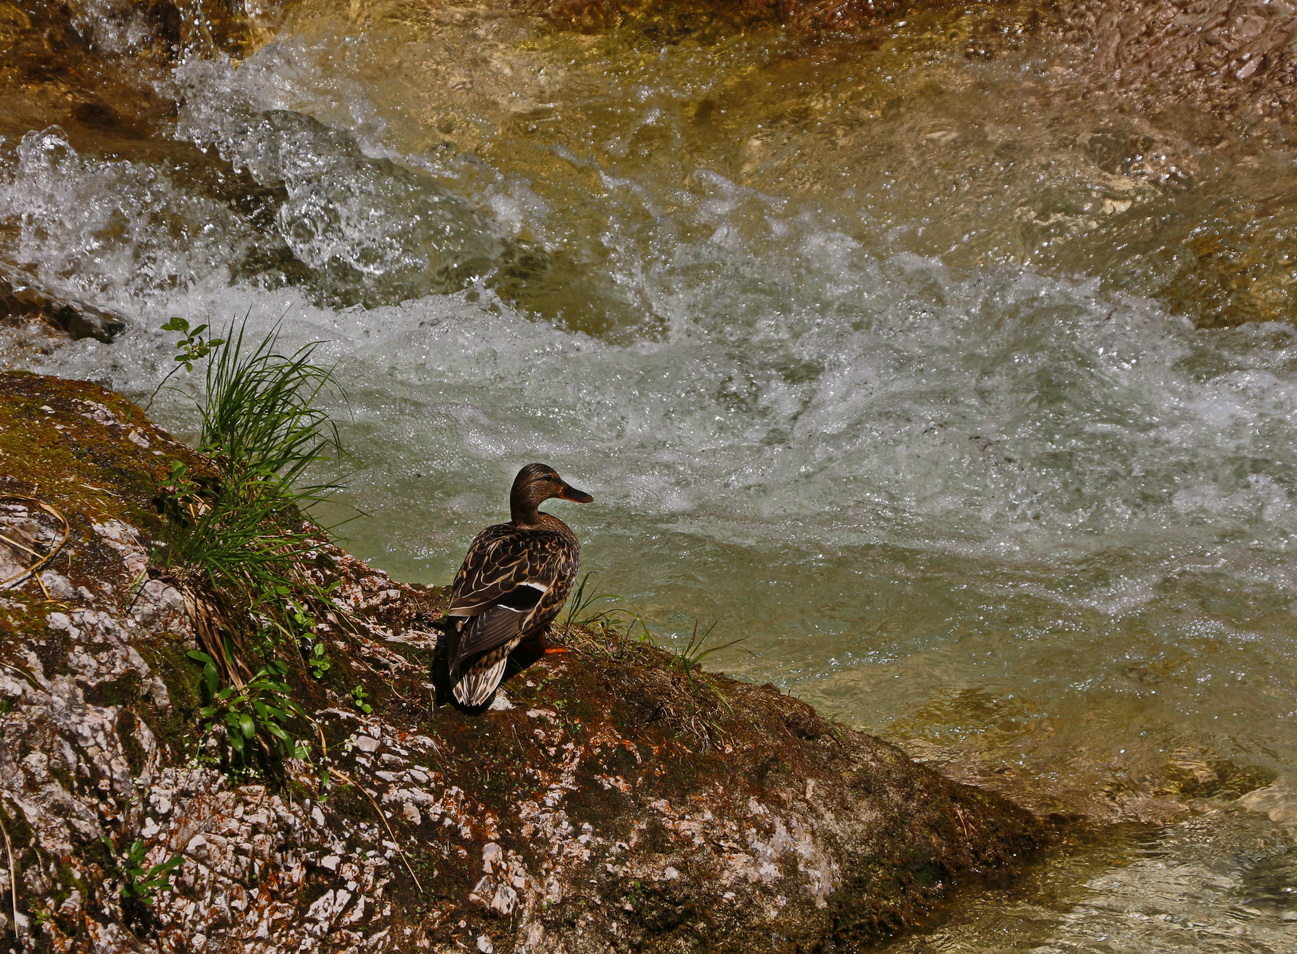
[961,392]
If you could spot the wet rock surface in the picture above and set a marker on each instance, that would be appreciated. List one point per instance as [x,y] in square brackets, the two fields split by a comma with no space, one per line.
[24,299]
[89,71]
[1235,55]
[606,802]
[90,66]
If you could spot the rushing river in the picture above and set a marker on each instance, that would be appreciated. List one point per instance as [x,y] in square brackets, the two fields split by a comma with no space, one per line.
[962,391]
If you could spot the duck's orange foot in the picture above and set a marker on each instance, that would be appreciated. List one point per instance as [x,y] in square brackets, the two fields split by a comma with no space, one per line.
[555,650]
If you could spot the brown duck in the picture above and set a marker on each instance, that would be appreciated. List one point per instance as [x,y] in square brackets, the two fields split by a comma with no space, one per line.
[514,581]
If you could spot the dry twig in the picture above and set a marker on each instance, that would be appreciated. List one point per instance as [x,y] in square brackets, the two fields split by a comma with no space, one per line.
[13,877]
[381,817]
[63,538]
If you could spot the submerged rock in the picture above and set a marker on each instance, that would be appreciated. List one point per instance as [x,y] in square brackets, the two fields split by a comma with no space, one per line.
[23,299]
[611,800]
[809,15]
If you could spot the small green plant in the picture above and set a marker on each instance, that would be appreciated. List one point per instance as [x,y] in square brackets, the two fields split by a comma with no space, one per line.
[138,882]
[294,624]
[691,657]
[317,662]
[178,484]
[297,622]
[360,699]
[256,713]
[579,613]
[193,346]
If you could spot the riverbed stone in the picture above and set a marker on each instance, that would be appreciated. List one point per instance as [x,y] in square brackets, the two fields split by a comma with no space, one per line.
[619,804]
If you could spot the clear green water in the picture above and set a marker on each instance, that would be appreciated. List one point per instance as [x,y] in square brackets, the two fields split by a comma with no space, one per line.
[913,370]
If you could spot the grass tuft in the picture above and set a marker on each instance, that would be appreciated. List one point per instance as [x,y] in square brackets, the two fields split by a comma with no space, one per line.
[690,659]
[580,614]
[236,543]
[259,414]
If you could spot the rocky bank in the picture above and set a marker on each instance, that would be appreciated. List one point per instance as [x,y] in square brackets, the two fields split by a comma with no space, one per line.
[610,801]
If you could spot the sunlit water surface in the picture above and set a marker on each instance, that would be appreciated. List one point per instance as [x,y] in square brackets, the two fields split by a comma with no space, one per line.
[894,363]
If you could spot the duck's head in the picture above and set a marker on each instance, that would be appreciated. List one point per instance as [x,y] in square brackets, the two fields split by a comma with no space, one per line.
[535,484]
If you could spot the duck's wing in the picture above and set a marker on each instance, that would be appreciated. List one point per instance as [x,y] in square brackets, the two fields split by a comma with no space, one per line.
[510,580]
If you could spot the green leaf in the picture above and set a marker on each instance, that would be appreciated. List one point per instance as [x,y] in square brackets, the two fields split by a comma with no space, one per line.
[175,861]
[293,707]
[277,732]
[246,725]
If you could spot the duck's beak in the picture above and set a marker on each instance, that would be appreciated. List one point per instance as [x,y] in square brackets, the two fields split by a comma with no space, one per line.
[571,493]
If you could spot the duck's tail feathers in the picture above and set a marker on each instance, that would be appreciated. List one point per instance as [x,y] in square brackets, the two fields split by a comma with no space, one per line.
[473,685]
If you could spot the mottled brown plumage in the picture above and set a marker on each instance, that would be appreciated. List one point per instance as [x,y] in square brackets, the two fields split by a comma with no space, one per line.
[515,579]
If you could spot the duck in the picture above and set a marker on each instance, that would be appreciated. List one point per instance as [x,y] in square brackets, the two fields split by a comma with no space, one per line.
[514,580]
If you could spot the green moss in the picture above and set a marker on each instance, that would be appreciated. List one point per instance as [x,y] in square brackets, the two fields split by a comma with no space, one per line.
[928,874]
[174,728]
[127,731]
[20,832]
[19,624]
[69,473]
[53,648]
[123,691]
[608,809]
[346,802]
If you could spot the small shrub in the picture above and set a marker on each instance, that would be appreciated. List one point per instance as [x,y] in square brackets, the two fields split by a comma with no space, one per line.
[254,714]
[193,346]
[317,662]
[360,699]
[138,882]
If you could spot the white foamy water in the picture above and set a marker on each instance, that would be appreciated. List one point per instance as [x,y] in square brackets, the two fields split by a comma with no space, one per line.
[1009,504]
